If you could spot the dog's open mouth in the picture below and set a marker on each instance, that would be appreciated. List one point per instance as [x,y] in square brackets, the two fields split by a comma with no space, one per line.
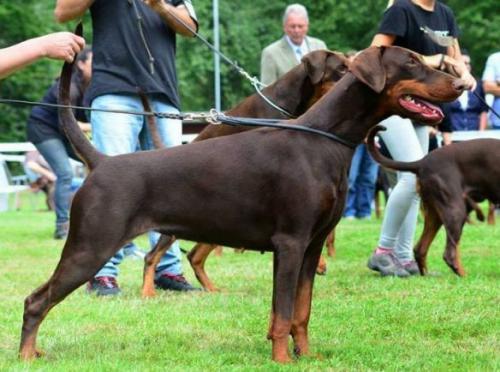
[426,111]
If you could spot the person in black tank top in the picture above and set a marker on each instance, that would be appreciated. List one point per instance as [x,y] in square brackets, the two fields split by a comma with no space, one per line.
[427,27]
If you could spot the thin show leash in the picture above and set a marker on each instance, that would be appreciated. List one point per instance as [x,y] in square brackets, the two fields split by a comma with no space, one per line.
[258,86]
[213,117]
[486,104]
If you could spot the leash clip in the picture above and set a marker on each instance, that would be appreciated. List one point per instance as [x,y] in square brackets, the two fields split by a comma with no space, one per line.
[213,117]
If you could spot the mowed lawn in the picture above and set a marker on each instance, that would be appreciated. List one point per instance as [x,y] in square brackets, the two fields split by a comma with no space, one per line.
[359,321]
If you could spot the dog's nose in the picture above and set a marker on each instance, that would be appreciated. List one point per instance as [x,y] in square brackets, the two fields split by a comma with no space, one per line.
[459,85]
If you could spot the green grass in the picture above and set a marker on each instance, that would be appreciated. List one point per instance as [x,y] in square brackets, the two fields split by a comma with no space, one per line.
[359,321]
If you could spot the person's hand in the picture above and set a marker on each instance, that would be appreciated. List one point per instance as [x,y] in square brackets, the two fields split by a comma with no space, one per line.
[470,81]
[61,45]
[454,67]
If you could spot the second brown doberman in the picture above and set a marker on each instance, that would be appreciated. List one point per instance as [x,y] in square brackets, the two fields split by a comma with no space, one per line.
[274,190]
[451,181]
[294,92]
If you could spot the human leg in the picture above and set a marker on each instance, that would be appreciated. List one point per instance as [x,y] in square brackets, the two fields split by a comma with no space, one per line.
[54,152]
[114,134]
[404,143]
[169,269]
[351,201]
[366,184]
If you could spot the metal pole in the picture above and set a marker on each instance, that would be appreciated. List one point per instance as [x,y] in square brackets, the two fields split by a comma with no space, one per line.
[216,56]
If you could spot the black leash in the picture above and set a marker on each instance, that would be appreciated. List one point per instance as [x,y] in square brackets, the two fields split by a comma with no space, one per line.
[273,123]
[258,85]
[213,117]
[484,103]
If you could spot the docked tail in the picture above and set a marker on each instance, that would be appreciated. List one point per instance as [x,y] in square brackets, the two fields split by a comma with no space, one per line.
[385,161]
[79,142]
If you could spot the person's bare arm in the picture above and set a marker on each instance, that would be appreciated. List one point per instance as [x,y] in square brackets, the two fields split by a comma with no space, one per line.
[170,14]
[67,10]
[37,168]
[459,67]
[59,45]
[383,40]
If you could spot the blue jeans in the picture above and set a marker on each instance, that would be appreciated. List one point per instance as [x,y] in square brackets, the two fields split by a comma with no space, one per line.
[405,142]
[115,134]
[56,154]
[362,179]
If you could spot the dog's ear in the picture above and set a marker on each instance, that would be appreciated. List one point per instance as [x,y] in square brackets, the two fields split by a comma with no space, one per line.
[368,67]
[315,64]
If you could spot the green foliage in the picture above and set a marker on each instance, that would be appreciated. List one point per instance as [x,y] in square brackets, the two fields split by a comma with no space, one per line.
[245,28]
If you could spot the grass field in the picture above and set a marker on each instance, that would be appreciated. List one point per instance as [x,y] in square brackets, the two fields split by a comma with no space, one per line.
[359,321]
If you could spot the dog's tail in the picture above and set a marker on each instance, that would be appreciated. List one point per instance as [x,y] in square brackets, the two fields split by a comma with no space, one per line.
[89,155]
[151,122]
[385,161]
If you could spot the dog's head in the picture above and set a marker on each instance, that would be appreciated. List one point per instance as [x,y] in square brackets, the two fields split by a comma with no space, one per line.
[324,68]
[408,87]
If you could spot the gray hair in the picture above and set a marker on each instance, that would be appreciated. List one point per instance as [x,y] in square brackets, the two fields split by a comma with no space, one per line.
[297,9]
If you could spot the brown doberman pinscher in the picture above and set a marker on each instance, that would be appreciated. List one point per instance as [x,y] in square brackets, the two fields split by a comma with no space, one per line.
[451,181]
[294,92]
[283,190]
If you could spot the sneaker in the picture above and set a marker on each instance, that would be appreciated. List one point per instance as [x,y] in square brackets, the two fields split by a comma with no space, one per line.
[61,232]
[411,267]
[387,265]
[103,286]
[169,282]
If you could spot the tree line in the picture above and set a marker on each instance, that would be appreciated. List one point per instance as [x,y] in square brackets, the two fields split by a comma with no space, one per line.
[246,27]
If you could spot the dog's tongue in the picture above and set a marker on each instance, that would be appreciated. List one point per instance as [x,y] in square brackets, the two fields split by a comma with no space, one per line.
[426,109]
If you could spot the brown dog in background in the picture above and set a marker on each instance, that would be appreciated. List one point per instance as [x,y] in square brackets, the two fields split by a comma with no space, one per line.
[451,181]
[295,92]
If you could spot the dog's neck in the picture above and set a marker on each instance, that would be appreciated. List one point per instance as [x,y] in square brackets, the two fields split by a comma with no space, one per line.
[349,110]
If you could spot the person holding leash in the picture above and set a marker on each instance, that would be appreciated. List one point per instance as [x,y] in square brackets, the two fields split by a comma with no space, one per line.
[134,49]
[427,27]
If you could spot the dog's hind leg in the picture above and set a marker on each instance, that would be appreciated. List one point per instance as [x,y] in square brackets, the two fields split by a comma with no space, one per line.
[288,256]
[151,261]
[432,223]
[302,308]
[453,222]
[197,257]
[82,257]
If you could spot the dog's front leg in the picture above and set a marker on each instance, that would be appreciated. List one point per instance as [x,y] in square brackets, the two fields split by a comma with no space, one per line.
[288,257]
[302,309]
[151,261]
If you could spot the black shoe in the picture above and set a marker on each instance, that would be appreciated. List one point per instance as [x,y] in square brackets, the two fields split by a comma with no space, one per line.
[103,286]
[61,232]
[169,282]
